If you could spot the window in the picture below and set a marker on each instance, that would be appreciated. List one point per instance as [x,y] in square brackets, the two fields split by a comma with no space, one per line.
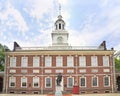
[94,61]
[82,70]
[70,82]
[35,71]
[94,81]
[106,70]
[59,25]
[59,70]
[48,82]
[59,61]
[23,81]
[35,81]
[70,71]
[82,81]
[12,71]
[36,92]
[23,92]
[94,70]
[70,61]
[12,61]
[36,61]
[24,62]
[23,71]
[82,61]
[107,91]
[105,60]
[48,61]
[48,71]
[12,81]
[106,81]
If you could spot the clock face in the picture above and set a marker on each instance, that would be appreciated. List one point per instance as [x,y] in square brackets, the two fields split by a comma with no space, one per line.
[60,39]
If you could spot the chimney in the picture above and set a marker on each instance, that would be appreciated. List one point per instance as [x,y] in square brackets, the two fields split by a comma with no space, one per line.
[16,46]
[103,44]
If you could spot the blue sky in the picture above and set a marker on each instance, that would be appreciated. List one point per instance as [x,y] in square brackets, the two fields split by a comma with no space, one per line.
[89,22]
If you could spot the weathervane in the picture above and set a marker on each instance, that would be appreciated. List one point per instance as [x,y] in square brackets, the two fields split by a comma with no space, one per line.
[59,9]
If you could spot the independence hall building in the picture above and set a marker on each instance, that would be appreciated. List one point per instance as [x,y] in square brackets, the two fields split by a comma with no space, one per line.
[33,70]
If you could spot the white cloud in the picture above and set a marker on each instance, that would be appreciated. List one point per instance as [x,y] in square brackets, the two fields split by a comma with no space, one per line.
[99,26]
[104,2]
[117,47]
[63,1]
[37,8]
[13,18]
[11,23]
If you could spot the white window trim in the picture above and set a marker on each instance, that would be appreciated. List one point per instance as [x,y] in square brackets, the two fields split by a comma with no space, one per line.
[12,62]
[81,60]
[50,82]
[22,62]
[37,82]
[70,61]
[48,58]
[10,80]
[104,61]
[21,82]
[94,61]
[12,71]
[68,82]
[82,70]
[85,82]
[97,82]
[104,81]
[36,61]
[35,70]
[60,58]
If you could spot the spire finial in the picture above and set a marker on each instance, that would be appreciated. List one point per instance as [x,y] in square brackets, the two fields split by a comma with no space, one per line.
[59,9]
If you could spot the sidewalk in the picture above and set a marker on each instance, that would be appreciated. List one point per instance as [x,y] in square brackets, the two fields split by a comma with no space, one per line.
[110,94]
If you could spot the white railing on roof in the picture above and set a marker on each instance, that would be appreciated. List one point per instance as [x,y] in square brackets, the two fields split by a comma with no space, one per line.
[61,48]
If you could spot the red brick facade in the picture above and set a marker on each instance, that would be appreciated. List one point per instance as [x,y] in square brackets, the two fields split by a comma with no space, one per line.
[88,72]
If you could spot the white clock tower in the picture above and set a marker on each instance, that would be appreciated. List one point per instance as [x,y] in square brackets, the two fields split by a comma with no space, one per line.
[59,35]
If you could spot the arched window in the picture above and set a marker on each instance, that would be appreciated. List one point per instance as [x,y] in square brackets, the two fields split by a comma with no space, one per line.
[59,25]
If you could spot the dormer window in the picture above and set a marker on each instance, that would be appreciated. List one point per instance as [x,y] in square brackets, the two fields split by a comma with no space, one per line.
[59,25]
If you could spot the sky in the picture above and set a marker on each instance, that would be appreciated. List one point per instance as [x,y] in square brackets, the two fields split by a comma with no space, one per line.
[88,22]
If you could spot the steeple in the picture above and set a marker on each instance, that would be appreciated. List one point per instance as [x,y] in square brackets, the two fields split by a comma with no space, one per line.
[59,24]
[59,35]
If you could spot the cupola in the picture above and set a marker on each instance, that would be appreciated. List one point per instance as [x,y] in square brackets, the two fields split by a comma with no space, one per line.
[59,24]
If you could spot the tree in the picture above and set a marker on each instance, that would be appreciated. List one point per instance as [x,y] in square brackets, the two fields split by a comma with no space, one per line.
[3,49]
[117,64]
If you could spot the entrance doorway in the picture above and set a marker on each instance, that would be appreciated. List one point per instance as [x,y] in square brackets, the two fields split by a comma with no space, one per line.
[1,84]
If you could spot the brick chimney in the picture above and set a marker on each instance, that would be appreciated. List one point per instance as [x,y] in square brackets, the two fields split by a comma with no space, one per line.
[16,46]
[103,44]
